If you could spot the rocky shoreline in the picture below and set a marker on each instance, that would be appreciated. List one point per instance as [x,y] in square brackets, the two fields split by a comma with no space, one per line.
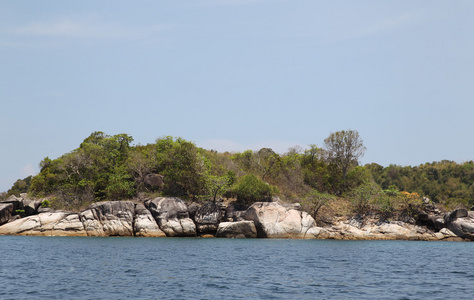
[171,217]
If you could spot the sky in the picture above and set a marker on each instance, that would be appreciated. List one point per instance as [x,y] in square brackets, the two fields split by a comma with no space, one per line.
[232,75]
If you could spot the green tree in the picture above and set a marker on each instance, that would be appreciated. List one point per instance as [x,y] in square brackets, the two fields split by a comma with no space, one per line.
[182,165]
[250,189]
[344,149]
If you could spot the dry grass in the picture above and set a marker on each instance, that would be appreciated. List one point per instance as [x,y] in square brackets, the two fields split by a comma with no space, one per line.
[338,207]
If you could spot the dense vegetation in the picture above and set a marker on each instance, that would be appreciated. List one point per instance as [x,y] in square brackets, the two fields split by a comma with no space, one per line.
[108,167]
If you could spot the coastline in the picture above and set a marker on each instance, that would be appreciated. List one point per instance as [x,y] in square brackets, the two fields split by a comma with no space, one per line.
[172,217]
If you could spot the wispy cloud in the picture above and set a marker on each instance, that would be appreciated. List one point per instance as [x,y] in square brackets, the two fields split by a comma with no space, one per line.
[80,28]
[355,30]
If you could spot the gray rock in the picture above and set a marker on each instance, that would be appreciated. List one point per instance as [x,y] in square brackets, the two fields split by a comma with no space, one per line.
[172,216]
[31,206]
[458,213]
[111,218]
[6,212]
[462,226]
[235,212]
[155,180]
[17,202]
[240,229]
[208,217]
[192,209]
[439,223]
[144,223]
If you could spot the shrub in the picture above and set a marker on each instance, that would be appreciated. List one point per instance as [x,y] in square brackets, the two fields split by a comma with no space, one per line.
[363,196]
[45,203]
[315,200]
[251,189]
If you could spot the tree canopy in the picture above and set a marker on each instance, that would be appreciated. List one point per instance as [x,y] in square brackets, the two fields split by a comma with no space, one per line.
[109,167]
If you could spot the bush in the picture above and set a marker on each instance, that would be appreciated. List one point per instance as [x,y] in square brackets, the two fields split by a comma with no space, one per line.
[45,203]
[251,189]
[363,196]
[315,200]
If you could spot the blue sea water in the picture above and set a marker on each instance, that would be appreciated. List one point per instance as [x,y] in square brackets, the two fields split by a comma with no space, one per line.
[197,268]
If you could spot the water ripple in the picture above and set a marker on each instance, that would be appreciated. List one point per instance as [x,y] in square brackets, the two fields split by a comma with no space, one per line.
[132,268]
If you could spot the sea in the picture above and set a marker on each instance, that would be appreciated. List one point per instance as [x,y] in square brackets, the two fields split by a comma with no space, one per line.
[212,268]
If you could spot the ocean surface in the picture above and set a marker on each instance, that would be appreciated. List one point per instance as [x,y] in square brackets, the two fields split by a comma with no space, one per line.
[197,268]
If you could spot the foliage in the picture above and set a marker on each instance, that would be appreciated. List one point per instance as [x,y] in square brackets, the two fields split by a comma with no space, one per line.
[181,164]
[251,189]
[444,182]
[20,186]
[364,195]
[45,203]
[106,167]
[344,148]
[314,201]
[218,185]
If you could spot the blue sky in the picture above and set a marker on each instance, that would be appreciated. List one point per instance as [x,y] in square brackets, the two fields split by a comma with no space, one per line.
[237,74]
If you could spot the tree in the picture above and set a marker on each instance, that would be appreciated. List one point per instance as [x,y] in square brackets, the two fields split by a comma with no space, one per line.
[344,148]
[181,164]
[250,189]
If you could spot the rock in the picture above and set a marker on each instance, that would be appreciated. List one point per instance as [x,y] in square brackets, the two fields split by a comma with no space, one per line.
[6,212]
[235,212]
[318,233]
[155,180]
[273,220]
[44,209]
[17,202]
[172,216]
[55,223]
[439,223]
[31,206]
[192,209]
[144,223]
[111,218]
[239,229]
[71,225]
[458,213]
[379,230]
[461,226]
[208,217]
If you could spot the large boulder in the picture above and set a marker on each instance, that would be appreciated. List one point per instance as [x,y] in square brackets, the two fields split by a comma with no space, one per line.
[144,223]
[17,202]
[241,229]
[274,220]
[110,218]
[48,224]
[30,206]
[172,216]
[208,217]
[6,212]
[461,222]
